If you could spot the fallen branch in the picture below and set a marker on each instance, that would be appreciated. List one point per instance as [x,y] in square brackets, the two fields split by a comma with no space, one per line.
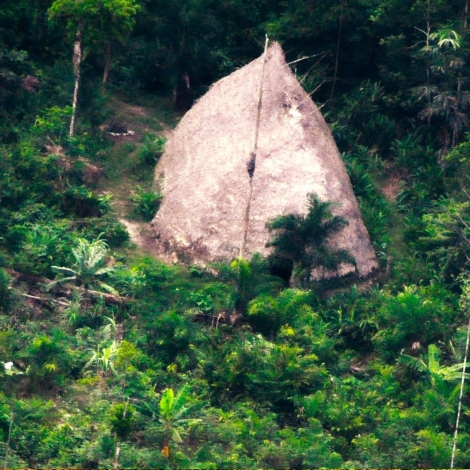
[214,319]
[35,297]
[43,299]
[110,298]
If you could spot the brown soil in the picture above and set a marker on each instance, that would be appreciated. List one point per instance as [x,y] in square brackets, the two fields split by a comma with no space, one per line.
[141,235]
[141,120]
[138,119]
[393,185]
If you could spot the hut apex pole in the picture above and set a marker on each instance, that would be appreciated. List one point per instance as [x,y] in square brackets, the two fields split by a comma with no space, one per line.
[251,164]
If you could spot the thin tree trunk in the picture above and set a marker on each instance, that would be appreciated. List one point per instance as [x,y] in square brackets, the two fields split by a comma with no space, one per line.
[118,445]
[77,60]
[7,450]
[116,455]
[107,62]
[166,452]
[455,135]
[335,76]
[428,33]
[465,15]
[179,68]
[459,410]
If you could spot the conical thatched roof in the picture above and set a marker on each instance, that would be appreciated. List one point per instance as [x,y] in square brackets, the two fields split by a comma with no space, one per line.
[203,173]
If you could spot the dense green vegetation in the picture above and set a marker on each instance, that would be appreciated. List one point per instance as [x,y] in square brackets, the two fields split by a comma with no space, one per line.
[111,358]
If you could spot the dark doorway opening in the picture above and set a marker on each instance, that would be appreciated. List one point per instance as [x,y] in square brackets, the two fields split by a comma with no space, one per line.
[281,267]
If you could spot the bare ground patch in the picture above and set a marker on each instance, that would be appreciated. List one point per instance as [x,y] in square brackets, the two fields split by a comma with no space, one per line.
[124,169]
[393,185]
[140,120]
[141,235]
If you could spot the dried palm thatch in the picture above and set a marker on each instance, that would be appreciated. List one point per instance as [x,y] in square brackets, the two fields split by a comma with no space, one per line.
[228,169]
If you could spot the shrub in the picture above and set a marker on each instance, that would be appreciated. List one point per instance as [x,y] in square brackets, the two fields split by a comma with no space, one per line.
[52,124]
[146,203]
[81,202]
[152,149]
[5,293]
[203,301]
[40,244]
[50,359]
[268,313]
[416,315]
[375,209]
[115,233]
[444,240]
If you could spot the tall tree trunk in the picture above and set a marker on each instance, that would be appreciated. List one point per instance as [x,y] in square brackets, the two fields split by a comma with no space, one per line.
[7,450]
[77,60]
[459,409]
[180,73]
[335,75]
[118,445]
[428,33]
[465,15]
[107,62]
[116,455]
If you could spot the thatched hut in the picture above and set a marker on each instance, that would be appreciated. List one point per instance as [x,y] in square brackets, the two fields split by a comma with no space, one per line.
[249,150]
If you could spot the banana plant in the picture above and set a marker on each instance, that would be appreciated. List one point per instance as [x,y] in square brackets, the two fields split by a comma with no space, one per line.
[174,416]
[438,374]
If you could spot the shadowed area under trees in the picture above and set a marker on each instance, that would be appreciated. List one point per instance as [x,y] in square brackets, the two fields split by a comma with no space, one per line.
[302,240]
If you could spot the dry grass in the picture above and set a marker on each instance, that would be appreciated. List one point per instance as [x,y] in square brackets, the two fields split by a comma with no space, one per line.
[204,176]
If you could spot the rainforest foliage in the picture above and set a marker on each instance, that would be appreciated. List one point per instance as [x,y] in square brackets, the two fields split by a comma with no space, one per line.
[110,358]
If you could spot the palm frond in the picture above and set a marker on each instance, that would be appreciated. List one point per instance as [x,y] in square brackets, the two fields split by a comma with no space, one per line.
[53,284]
[416,364]
[67,271]
[108,288]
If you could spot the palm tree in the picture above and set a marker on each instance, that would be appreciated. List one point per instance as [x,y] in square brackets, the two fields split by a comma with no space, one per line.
[89,266]
[444,96]
[251,278]
[302,240]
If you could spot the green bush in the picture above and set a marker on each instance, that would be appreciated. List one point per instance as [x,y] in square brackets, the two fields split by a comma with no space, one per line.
[358,119]
[81,202]
[418,315]
[268,313]
[444,237]
[5,292]
[50,359]
[52,124]
[114,232]
[146,203]
[203,301]
[152,149]
[40,244]
[375,209]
